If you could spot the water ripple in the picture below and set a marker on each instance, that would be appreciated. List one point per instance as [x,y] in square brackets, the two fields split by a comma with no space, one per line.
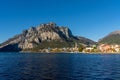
[16,66]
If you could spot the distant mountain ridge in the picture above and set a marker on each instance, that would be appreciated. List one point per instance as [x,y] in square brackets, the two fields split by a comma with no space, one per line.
[112,38]
[44,35]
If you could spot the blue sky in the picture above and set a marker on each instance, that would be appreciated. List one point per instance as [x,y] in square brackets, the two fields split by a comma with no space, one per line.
[93,19]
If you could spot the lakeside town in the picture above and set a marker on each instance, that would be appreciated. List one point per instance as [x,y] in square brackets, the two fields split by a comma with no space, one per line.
[101,48]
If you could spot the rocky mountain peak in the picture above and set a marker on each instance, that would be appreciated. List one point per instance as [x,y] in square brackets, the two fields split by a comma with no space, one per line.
[35,35]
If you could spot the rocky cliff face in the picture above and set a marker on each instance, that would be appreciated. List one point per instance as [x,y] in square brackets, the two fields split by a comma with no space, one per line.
[34,36]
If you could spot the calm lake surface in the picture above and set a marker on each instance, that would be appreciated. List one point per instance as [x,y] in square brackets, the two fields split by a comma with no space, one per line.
[38,66]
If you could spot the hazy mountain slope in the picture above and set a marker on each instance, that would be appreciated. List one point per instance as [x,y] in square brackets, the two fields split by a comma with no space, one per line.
[112,38]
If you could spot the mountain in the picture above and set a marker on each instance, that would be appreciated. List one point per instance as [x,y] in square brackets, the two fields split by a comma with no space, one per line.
[112,38]
[43,36]
[86,41]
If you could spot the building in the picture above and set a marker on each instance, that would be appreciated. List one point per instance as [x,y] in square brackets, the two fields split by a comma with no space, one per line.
[104,48]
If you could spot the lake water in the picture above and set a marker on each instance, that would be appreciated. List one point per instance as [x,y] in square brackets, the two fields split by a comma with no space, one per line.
[34,66]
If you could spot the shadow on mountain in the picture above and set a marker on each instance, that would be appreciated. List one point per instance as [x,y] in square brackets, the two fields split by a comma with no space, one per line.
[10,48]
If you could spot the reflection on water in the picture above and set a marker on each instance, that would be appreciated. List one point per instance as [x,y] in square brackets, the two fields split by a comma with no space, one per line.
[16,66]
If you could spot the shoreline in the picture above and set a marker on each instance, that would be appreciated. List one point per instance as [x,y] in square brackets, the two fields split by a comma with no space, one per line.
[64,52]
[70,52]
